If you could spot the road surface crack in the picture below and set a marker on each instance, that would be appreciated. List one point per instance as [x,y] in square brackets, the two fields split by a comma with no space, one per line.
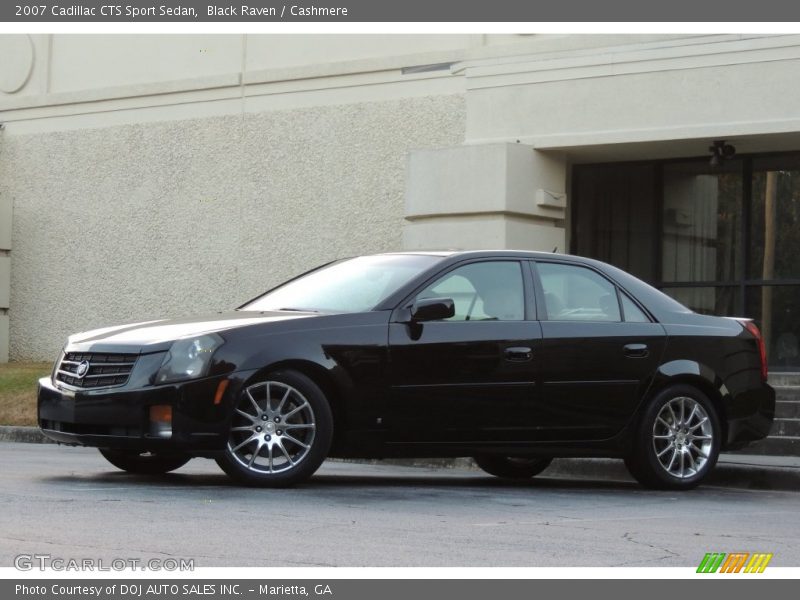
[627,536]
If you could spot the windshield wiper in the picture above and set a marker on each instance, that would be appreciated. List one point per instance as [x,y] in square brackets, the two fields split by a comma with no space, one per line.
[299,310]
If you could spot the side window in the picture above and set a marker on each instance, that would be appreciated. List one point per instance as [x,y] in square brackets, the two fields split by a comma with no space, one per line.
[632,313]
[573,293]
[485,291]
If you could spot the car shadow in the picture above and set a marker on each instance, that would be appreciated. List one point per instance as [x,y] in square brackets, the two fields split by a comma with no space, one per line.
[323,481]
[466,481]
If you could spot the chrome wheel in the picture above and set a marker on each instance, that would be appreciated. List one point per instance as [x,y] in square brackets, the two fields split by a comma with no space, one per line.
[273,428]
[683,437]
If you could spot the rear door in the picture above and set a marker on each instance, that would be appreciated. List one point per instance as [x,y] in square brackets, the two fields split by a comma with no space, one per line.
[472,377]
[599,354]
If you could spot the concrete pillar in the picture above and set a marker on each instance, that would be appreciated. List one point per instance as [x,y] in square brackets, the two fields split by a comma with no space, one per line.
[5,273]
[505,196]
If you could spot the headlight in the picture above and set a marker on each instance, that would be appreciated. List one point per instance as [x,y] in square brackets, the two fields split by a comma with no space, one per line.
[189,358]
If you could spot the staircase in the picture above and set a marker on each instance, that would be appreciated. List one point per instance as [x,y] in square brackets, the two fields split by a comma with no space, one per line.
[784,439]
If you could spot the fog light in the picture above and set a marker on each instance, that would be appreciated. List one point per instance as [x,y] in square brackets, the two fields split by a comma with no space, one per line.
[161,421]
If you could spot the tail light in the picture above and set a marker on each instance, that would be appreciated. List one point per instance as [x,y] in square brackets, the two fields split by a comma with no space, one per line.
[762,349]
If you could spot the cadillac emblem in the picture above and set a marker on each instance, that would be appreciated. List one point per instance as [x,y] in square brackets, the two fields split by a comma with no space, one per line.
[83,369]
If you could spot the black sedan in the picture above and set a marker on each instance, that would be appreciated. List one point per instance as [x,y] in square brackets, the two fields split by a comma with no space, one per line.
[511,357]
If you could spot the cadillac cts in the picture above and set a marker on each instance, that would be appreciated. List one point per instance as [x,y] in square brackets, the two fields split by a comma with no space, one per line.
[511,357]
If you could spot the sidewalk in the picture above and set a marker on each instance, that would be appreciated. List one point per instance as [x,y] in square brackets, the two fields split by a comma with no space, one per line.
[742,471]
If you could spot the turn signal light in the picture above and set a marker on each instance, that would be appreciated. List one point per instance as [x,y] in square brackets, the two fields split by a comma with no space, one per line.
[223,385]
[161,413]
[161,421]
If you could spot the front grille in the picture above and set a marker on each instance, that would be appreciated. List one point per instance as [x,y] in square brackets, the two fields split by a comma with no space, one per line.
[105,370]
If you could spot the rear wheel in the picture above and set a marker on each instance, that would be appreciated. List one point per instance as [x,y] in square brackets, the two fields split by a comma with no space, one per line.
[512,467]
[145,463]
[677,441]
[281,431]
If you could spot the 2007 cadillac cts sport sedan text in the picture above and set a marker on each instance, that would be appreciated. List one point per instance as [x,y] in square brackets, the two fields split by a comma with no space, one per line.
[511,357]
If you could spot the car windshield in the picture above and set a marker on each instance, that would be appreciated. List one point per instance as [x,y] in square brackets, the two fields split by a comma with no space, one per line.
[352,285]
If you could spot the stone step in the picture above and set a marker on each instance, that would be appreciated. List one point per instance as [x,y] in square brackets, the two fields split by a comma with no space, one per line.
[784,437]
[783,379]
[787,410]
[785,427]
[775,446]
[788,394]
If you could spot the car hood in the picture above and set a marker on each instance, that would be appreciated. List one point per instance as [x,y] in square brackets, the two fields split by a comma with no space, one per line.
[150,336]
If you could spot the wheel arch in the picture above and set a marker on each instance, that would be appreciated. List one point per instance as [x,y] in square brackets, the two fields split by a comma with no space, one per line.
[700,377]
[641,456]
[322,377]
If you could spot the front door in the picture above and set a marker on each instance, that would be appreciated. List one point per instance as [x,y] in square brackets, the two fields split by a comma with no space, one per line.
[472,377]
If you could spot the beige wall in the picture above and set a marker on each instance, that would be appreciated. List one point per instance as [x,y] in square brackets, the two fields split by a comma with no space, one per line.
[561,101]
[151,177]
[141,221]
[157,175]
[661,97]
[66,64]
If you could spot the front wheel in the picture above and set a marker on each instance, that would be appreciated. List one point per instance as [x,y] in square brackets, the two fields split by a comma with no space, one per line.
[281,431]
[144,463]
[512,467]
[677,441]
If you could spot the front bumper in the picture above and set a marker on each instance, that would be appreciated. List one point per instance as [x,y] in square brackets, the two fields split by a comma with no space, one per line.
[119,418]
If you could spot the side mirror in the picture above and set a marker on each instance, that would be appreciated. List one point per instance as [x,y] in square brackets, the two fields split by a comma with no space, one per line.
[433,309]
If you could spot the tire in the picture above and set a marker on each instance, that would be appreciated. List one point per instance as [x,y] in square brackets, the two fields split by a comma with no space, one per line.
[144,463]
[281,431]
[512,467]
[677,440]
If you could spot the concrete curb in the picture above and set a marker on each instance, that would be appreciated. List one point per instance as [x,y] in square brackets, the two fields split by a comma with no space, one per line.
[28,435]
[734,471]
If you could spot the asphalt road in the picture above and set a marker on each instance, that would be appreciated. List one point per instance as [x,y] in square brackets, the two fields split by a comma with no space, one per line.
[69,503]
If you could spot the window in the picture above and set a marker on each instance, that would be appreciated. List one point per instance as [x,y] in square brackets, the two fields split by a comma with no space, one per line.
[616,217]
[573,293]
[720,239]
[701,222]
[774,225]
[485,291]
[353,285]
[631,312]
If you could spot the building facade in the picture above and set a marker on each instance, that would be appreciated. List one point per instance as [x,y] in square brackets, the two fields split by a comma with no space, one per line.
[160,175]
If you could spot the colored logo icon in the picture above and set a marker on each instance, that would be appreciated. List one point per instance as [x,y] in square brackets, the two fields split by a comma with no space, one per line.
[736,562]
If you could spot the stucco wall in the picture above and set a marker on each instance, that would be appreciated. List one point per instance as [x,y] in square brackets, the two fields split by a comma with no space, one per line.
[141,221]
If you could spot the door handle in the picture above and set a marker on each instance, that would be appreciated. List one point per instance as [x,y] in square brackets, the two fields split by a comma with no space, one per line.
[518,353]
[636,350]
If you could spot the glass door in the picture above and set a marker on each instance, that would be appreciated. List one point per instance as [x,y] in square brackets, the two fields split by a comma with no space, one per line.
[773,265]
[722,240]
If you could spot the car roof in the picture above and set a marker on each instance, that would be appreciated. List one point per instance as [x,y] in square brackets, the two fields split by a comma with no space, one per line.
[478,253]
[457,255]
